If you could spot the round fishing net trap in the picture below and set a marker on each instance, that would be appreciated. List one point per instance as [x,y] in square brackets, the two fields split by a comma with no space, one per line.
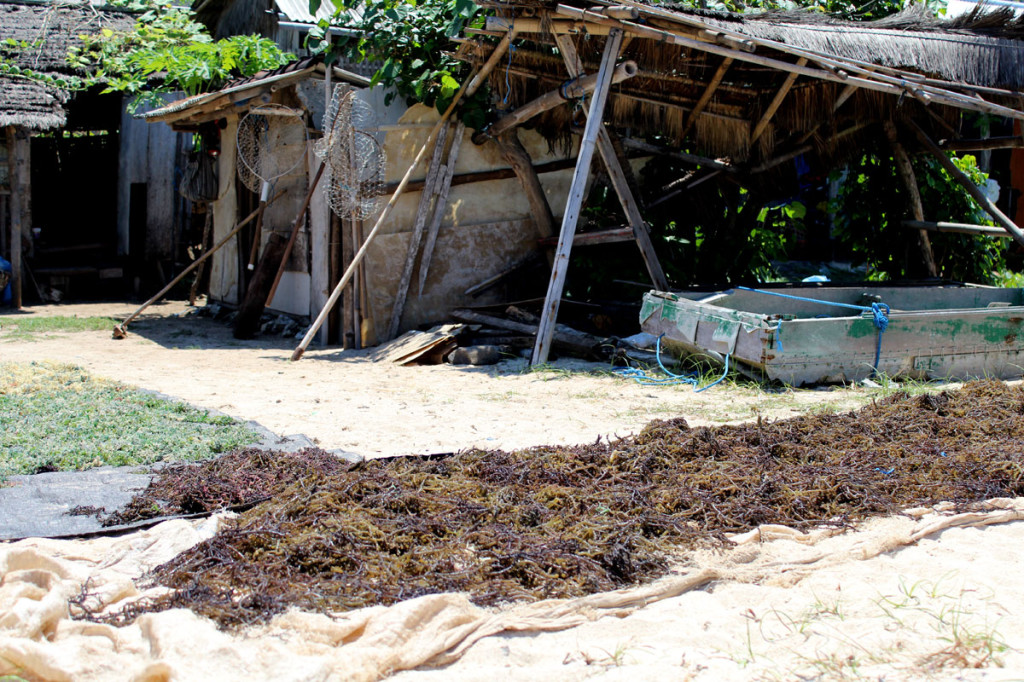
[354,157]
[271,142]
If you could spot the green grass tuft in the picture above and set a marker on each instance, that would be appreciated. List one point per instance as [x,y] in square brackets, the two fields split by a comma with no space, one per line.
[25,328]
[55,416]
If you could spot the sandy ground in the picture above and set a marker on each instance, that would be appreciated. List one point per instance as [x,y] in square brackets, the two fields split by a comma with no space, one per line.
[949,606]
[344,400]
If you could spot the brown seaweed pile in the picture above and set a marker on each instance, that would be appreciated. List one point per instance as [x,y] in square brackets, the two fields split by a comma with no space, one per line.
[569,521]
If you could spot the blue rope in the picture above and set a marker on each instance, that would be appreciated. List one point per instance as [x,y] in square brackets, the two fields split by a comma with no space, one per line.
[644,379]
[508,68]
[879,311]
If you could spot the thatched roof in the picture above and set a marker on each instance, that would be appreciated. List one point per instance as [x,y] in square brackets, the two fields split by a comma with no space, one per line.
[755,89]
[50,28]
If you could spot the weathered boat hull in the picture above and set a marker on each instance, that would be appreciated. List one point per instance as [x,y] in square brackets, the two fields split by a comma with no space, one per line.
[942,332]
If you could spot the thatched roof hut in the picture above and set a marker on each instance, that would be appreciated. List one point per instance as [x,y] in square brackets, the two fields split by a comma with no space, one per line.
[754,87]
[49,30]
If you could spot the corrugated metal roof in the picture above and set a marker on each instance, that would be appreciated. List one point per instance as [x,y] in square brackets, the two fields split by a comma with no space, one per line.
[298,10]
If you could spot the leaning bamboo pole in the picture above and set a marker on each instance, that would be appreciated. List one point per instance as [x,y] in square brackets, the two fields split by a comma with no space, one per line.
[121,330]
[467,90]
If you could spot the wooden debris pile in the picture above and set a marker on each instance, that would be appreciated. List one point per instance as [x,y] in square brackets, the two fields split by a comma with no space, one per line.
[569,521]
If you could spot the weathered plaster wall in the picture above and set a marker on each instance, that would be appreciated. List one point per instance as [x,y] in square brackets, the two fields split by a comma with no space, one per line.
[487,226]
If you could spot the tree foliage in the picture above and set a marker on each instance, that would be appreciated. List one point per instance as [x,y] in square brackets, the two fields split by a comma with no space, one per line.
[168,51]
[411,41]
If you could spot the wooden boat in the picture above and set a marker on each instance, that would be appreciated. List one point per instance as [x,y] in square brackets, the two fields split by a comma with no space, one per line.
[809,334]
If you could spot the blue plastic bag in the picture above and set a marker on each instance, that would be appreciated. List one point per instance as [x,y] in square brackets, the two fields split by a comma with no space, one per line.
[5,267]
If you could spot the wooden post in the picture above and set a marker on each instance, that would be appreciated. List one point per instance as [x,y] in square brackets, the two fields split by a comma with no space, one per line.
[619,180]
[906,171]
[441,204]
[19,155]
[467,90]
[971,188]
[575,200]
[416,237]
[516,156]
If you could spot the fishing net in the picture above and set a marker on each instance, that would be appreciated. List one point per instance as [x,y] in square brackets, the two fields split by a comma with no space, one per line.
[354,157]
[568,521]
[271,142]
[199,180]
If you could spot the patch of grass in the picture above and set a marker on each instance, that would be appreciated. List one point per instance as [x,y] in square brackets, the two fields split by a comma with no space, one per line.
[55,416]
[27,327]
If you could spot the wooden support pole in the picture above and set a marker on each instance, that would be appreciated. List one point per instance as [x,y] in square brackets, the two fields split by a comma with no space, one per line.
[441,204]
[299,220]
[416,236]
[846,94]
[906,172]
[121,330]
[518,158]
[965,181]
[588,144]
[19,160]
[619,179]
[776,102]
[705,97]
[694,159]
[466,90]
[552,99]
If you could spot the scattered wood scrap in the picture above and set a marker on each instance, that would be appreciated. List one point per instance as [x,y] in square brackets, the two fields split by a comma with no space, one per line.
[421,347]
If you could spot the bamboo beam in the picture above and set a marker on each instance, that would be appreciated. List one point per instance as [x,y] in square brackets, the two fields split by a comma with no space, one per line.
[803,149]
[467,90]
[776,102]
[867,79]
[902,79]
[1007,142]
[906,172]
[705,97]
[550,100]
[694,159]
[846,94]
[957,228]
[588,144]
[965,181]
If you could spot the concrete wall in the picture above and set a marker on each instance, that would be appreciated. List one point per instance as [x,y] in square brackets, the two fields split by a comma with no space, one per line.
[487,227]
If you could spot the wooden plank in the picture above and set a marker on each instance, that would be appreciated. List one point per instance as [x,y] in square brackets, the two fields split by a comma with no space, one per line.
[906,172]
[423,213]
[319,248]
[619,180]
[467,90]
[965,181]
[441,204]
[776,102]
[618,234]
[705,97]
[588,144]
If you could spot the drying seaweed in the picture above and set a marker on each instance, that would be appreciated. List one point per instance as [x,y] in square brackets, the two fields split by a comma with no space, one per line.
[569,521]
[239,478]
